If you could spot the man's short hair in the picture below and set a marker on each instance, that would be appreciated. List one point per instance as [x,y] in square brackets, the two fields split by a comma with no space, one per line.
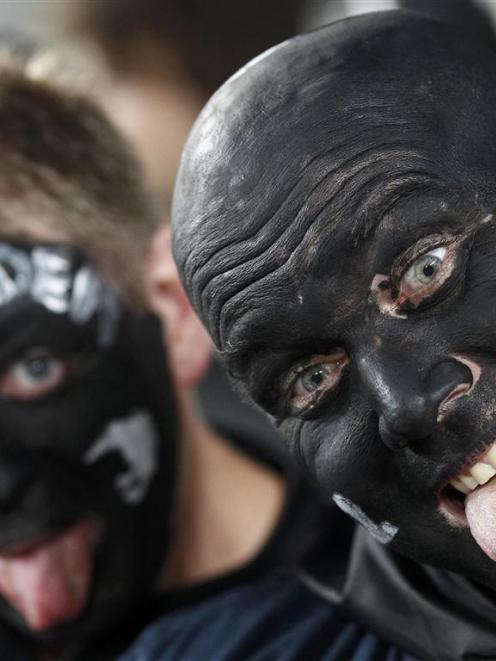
[65,170]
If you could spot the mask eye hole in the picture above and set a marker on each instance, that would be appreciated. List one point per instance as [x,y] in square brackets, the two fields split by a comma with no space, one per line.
[310,381]
[425,269]
[35,374]
[426,274]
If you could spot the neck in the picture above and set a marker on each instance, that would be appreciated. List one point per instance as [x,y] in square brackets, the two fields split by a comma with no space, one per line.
[226,509]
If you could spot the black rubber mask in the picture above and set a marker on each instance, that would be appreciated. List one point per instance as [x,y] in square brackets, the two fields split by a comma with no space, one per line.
[87,446]
[334,224]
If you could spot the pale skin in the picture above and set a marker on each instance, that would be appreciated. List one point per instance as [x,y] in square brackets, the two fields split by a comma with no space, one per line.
[155,114]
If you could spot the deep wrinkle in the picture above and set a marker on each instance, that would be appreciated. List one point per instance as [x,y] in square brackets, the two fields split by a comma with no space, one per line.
[385,150]
[433,237]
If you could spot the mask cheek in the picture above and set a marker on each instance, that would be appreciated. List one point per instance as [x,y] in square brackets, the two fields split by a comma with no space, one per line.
[354,470]
[135,440]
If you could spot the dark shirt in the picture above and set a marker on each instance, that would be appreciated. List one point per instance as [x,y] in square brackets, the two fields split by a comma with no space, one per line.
[432,613]
[274,618]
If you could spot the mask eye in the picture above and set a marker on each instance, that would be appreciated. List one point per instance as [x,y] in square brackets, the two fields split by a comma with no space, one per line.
[424,270]
[310,381]
[36,374]
[426,275]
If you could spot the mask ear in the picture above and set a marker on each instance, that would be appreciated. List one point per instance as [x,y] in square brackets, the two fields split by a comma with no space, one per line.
[188,345]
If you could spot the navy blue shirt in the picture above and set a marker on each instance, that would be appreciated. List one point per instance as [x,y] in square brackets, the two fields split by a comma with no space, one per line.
[275,618]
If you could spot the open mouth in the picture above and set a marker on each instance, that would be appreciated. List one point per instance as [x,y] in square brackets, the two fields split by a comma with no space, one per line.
[469,500]
[48,578]
[453,495]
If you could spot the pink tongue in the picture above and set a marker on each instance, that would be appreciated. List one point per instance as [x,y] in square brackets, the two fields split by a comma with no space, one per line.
[480,509]
[50,583]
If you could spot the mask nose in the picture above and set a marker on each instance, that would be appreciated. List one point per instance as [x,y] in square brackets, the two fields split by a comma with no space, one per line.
[408,402]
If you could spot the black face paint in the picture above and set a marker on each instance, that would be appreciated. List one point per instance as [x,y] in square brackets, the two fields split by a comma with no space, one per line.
[341,193]
[87,446]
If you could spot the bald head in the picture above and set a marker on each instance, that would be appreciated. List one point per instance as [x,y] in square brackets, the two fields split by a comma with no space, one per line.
[328,128]
[334,226]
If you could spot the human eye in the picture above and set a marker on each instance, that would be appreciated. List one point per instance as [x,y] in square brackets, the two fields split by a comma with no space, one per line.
[309,381]
[423,273]
[36,373]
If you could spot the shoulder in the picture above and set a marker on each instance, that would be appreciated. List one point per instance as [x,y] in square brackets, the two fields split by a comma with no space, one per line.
[276,617]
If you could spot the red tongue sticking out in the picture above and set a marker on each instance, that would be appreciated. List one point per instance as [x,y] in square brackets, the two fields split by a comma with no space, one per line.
[480,509]
[50,583]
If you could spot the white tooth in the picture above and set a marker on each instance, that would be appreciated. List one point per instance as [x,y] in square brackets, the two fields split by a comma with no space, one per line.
[482,472]
[469,482]
[459,486]
[491,455]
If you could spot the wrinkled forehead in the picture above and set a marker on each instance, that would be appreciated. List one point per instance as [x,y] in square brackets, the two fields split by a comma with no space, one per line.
[58,281]
[304,152]
[317,282]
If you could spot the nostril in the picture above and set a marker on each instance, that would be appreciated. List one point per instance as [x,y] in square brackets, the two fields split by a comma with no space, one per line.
[411,399]
[448,381]
[447,404]
[474,369]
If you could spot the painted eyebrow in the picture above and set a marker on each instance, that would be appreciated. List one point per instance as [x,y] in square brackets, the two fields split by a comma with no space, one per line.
[383,198]
[453,213]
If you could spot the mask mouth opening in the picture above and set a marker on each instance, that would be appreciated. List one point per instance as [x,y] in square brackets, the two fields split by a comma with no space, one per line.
[479,507]
[452,506]
[48,578]
[29,542]
[477,473]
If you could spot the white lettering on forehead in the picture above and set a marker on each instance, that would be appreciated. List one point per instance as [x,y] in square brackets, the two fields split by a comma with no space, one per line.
[16,273]
[89,296]
[51,280]
[135,438]
[46,276]
[86,295]
[383,532]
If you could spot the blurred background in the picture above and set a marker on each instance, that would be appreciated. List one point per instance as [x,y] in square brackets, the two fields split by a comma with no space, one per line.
[41,18]
[158,61]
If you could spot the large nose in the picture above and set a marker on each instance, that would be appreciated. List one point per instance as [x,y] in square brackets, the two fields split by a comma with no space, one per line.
[407,397]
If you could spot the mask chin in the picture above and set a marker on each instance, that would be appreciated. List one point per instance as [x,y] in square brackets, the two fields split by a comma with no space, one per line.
[425,536]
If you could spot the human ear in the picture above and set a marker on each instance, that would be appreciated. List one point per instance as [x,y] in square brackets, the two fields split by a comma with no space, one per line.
[188,345]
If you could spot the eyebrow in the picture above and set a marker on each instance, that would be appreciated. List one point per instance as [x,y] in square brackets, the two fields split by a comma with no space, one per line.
[381,200]
[273,347]
[377,196]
